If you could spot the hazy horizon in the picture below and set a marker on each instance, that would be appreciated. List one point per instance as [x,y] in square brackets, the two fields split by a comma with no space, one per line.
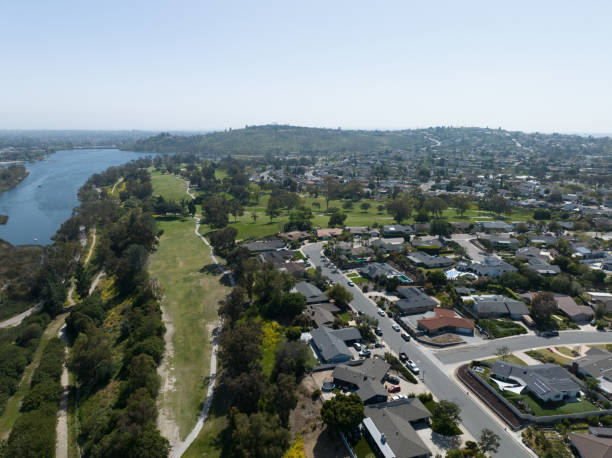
[209,66]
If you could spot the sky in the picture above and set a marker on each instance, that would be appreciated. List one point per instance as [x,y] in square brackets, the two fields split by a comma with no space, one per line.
[206,65]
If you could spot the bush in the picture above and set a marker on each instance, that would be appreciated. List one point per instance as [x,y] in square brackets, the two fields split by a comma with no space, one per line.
[397,365]
[293,333]
[316,394]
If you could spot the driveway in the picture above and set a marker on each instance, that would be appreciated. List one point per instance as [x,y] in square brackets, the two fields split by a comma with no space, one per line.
[438,378]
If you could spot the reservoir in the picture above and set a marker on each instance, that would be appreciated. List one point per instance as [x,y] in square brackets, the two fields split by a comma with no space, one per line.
[39,205]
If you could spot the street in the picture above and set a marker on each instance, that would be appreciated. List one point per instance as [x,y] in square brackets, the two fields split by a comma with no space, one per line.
[437,378]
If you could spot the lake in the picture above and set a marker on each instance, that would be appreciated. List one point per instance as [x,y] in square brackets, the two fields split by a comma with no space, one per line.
[39,205]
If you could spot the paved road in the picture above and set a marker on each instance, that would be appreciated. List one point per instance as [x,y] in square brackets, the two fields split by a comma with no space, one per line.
[519,343]
[437,378]
[17,319]
[464,240]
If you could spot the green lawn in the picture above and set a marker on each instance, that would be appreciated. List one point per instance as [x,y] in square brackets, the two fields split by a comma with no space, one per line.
[509,359]
[546,355]
[168,186]
[362,449]
[502,328]
[542,410]
[191,299]
[263,226]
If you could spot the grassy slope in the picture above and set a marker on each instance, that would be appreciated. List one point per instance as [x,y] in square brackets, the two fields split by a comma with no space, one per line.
[168,186]
[191,300]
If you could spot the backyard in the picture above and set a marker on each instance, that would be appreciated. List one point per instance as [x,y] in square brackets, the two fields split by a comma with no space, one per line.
[502,327]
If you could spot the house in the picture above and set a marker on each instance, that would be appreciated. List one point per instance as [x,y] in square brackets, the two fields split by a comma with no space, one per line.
[294,236]
[360,231]
[491,267]
[390,427]
[312,294]
[597,363]
[397,230]
[543,240]
[413,300]
[261,246]
[576,313]
[445,320]
[591,446]
[542,267]
[600,298]
[322,314]
[326,234]
[277,257]
[428,244]
[497,306]
[494,226]
[366,380]
[376,270]
[548,382]
[500,241]
[331,344]
[422,259]
[386,245]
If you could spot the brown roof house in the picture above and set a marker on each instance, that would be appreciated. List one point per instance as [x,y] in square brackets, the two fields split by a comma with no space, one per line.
[590,446]
[445,320]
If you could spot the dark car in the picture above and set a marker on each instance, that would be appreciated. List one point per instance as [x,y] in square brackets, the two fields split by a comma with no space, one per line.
[550,333]
[403,357]
[392,379]
[378,332]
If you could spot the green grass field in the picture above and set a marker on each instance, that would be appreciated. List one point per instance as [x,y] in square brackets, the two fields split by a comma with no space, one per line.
[509,359]
[541,410]
[262,226]
[191,299]
[168,186]
[546,355]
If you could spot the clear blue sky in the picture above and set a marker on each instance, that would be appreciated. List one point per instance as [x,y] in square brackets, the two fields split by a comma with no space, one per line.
[185,64]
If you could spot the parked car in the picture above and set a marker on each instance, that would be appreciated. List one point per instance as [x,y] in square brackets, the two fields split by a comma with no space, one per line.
[307,264]
[381,312]
[395,327]
[549,333]
[351,283]
[392,379]
[365,353]
[357,346]
[403,357]
[378,332]
[412,366]
[397,397]
[394,388]
[405,336]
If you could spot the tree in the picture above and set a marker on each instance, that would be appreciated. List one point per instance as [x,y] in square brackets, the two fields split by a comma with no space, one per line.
[514,281]
[234,304]
[343,412]
[292,304]
[347,205]
[223,240]
[240,347]
[543,305]
[440,228]
[91,357]
[436,277]
[259,435]
[489,441]
[591,385]
[445,417]
[291,358]
[54,294]
[331,187]
[365,206]
[498,205]
[337,219]
[340,294]
[400,209]
[285,397]
[83,279]
[273,210]
[502,352]
[435,206]
[215,211]
[461,205]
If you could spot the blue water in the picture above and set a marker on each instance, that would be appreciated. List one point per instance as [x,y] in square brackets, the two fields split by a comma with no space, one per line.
[39,205]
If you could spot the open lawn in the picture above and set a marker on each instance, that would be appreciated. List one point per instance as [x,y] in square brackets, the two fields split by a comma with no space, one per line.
[502,328]
[542,410]
[546,356]
[191,300]
[509,359]
[262,226]
[362,449]
[168,186]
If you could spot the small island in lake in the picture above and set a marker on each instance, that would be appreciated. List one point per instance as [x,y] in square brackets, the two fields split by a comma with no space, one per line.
[3,219]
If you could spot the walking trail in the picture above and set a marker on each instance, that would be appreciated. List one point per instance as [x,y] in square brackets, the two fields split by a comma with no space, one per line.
[179,447]
[61,442]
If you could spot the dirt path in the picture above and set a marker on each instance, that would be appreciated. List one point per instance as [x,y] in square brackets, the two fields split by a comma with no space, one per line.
[115,185]
[17,319]
[91,248]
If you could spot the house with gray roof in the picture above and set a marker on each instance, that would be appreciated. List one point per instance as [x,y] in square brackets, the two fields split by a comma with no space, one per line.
[375,270]
[261,246]
[413,300]
[312,294]
[390,428]
[494,226]
[422,259]
[542,267]
[497,306]
[548,382]
[322,314]
[396,230]
[491,267]
[332,344]
[576,313]
[597,363]
[366,380]
[500,241]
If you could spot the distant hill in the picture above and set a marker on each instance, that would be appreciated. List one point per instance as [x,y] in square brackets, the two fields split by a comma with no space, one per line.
[283,140]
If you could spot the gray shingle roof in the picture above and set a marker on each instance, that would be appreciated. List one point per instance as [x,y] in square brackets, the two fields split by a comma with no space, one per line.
[330,343]
[541,379]
[310,292]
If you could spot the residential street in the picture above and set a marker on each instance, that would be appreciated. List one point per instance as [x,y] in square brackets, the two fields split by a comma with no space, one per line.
[519,343]
[436,376]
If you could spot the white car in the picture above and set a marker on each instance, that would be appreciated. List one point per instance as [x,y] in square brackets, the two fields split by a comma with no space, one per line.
[357,346]
[351,283]
[412,366]
[395,327]
[381,312]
